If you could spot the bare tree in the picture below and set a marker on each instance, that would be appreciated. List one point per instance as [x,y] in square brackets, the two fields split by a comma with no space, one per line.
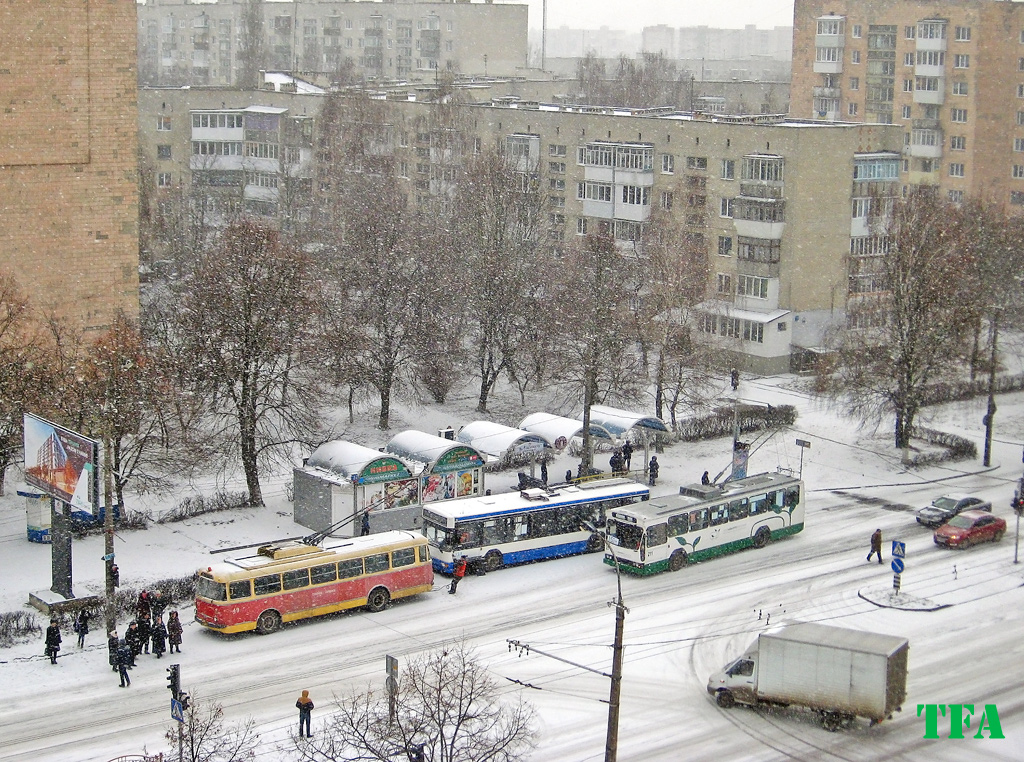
[903,338]
[247,325]
[447,703]
[207,737]
[252,46]
[649,81]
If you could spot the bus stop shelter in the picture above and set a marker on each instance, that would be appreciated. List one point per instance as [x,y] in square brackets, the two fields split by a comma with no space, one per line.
[450,469]
[619,423]
[504,444]
[560,430]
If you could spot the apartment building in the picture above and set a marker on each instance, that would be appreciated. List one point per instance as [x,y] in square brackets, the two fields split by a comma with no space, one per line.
[950,73]
[68,191]
[182,42]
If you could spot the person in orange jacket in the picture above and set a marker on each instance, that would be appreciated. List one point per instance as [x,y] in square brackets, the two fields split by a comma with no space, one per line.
[457,574]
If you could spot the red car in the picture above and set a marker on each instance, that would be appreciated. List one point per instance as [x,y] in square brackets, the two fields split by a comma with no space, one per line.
[970,528]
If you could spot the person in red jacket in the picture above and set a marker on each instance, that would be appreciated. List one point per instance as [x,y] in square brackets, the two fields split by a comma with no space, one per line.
[457,574]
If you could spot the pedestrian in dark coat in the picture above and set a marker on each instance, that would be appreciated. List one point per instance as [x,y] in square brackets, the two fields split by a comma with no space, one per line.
[112,644]
[157,604]
[876,545]
[124,661]
[53,640]
[142,607]
[615,462]
[305,707]
[652,470]
[457,574]
[159,635]
[627,454]
[544,471]
[145,632]
[705,479]
[82,627]
[174,631]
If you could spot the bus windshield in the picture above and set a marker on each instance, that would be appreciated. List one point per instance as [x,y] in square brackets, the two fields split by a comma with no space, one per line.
[624,535]
[207,588]
[443,538]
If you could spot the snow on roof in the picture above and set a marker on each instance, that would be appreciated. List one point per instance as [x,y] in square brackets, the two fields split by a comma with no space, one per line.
[497,440]
[559,430]
[619,421]
[716,307]
[265,110]
[438,454]
[278,78]
[354,461]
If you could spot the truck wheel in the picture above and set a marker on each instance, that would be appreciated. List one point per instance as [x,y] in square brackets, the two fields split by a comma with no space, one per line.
[761,537]
[831,721]
[725,699]
[493,561]
[677,560]
[268,622]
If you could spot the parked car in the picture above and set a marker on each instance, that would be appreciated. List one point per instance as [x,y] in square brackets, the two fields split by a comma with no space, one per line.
[946,507]
[970,528]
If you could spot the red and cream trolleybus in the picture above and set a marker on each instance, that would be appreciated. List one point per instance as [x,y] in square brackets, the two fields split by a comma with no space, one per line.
[293,580]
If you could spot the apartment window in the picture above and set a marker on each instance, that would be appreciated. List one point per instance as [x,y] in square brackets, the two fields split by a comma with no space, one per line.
[556,201]
[1018,145]
[908,85]
[556,150]
[960,88]
[956,170]
[908,32]
[163,180]
[851,109]
[696,162]
[931,58]
[958,115]
[556,184]
[667,199]
[857,31]
[855,56]
[725,207]
[927,84]
[558,167]
[753,331]
[957,143]
[955,196]
[163,123]
[728,169]
[1020,118]
[1018,171]
[725,283]
[581,226]
[750,285]
[1017,197]
[348,23]
[830,26]
[1020,64]
[668,163]
[908,59]
[724,246]
[635,194]
[451,26]
[762,250]
[906,112]
[163,152]
[855,83]
[961,61]
[594,191]
[962,34]
[931,30]
[762,168]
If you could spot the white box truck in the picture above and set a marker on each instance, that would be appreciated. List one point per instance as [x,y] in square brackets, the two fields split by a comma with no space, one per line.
[839,673]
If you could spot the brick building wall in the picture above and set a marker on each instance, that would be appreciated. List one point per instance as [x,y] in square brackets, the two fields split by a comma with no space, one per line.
[68,137]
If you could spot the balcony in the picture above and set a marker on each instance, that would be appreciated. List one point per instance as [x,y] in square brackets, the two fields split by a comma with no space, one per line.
[929,70]
[759,218]
[931,97]
[924,43]
[826,92]
[762,189]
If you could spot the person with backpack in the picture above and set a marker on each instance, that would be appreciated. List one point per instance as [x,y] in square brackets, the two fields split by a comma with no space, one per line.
[457,574]
[305,707]
[652,470]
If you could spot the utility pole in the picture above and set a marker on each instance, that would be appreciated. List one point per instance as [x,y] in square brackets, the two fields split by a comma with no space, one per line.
[611,744]
[109,609]
[990,412]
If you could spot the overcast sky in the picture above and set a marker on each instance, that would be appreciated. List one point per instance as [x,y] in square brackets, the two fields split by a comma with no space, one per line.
[636,14]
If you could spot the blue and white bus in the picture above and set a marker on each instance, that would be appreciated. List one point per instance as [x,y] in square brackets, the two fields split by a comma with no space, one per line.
[529,525]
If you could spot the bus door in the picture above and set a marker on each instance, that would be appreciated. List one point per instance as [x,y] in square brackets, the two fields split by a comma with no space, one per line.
[655,543]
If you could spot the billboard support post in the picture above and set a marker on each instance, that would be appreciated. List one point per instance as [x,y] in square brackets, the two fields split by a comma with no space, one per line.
[109,610]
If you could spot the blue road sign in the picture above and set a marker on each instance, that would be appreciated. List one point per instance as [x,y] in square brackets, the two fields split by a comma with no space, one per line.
[177,713]
[899,549]
[897,565]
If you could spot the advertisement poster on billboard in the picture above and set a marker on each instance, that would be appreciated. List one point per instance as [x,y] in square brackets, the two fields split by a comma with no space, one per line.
[62,463]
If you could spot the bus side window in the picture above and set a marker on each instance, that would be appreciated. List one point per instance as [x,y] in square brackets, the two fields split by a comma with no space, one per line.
[792,497]
[378,562]
[542,523]
[296,578]
[739,509]
[657,535]
[520,527]
[241,588]
[351,568]
[403,557]
[719,515]
[758,504]
[424,553]
[678,525]
[698,519]
[270,583]
[323,573]
[775,500]
[491,532]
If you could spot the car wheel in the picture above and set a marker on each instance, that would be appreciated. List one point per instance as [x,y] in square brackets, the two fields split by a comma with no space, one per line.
[268,622]
[761,537]
[378,599]
[997,536]
[725,699]
[677,560]
[493,561]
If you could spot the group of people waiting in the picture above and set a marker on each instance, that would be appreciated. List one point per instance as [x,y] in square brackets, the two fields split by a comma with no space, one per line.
[146,630]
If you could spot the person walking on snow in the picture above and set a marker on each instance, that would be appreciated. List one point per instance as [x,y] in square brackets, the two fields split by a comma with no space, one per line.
[53,640]
[305,707]
[159,636]
[627,455]
[457,574]
[652,470]
[112,644]
[876,545]
[124,661]
[145,632]
[82,627]
[174,631]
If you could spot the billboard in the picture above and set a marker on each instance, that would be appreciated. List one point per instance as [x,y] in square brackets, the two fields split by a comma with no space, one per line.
[62,463]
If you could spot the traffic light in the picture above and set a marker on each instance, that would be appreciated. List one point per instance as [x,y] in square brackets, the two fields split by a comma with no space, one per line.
[184,698]
[174,680]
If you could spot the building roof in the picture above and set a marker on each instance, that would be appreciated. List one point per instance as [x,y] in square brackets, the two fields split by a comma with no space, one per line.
[498,440]
[559,430]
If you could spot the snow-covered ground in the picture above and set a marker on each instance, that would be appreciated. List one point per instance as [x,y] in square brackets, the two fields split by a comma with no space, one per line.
[679,629]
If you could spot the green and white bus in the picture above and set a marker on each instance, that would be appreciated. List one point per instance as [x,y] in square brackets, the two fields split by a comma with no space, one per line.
[704,521]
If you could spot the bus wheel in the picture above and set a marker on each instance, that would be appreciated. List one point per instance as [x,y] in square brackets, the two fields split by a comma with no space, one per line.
[378,599]
[493,561]
[725,699]
[268,622]
[677,560]
[831,721]
[594,543]
[761,537]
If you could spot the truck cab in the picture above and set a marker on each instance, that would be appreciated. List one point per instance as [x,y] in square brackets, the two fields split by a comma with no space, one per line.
[737,683]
